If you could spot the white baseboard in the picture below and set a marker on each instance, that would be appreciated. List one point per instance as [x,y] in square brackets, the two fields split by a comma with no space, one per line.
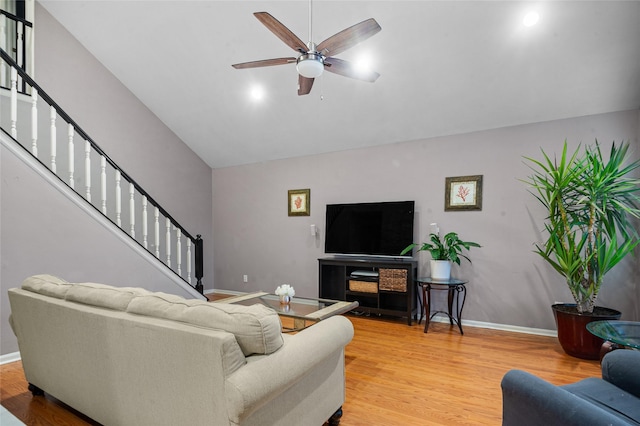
[12,357]
[228,292]
[502,327]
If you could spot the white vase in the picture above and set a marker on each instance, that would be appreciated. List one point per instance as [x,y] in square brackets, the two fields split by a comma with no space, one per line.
[440,269]
[285,299]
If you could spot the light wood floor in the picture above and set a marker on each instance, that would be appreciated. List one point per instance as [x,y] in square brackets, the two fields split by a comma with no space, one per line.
[396,375]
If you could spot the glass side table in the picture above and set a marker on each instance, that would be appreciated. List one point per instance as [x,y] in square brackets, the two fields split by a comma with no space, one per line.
[454,287]
[616,334]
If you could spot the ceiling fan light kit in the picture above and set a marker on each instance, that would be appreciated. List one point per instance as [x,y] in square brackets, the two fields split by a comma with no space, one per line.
[313,60]
[310,65]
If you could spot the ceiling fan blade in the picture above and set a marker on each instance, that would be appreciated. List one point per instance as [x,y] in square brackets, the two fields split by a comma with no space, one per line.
[282,32]
[346,69]
[349,37]
[304,85]
[264,63]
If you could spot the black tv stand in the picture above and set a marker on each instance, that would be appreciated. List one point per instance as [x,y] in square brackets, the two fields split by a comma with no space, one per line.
[384,286]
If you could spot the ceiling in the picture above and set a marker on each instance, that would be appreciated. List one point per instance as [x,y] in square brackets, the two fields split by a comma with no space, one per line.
[447,67]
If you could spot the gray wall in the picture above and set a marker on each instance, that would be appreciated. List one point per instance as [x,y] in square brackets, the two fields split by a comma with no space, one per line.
[509,284]
[125,128]
[41,232]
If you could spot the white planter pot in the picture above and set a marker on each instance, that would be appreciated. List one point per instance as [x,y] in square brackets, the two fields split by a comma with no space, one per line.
[440,269]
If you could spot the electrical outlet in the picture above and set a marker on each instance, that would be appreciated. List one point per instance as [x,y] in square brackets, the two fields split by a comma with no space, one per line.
[245,278]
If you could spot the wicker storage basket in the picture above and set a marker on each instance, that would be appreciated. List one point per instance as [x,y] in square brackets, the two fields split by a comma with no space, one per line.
[363,286]
[393,279]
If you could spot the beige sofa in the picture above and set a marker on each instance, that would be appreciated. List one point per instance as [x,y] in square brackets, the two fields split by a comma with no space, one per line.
[126,356]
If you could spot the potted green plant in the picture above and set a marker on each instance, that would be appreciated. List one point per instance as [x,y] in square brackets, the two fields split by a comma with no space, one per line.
[443,253]
[589,202]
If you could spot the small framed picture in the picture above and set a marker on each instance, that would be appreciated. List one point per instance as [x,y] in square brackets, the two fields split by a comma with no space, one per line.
[463,193]
[299,202]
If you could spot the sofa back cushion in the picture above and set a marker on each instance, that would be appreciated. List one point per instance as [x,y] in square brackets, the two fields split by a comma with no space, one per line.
[94,294]
[257,328]
[48,285]
[104,296]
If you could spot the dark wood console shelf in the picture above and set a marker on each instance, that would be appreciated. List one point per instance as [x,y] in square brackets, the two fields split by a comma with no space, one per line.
[392,292]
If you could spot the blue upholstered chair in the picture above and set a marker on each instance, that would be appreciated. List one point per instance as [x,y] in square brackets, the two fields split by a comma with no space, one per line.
[612,400]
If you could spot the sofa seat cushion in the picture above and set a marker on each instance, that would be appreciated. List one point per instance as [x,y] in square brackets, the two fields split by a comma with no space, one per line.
[47,285]
[104,296]
[256,328]
[608,397]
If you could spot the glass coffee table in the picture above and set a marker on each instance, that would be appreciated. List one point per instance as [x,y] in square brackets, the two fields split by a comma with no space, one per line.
[303,311]
[616,334]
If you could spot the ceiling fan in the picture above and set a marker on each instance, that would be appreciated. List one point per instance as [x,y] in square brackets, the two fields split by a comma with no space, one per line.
[313,59]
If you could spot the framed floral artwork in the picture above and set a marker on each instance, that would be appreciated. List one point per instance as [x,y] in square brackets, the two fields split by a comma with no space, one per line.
[299,201]
[463,193]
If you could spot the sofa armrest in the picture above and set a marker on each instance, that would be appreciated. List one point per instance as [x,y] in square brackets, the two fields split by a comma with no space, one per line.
[622,369]
[257,382]
[529,400]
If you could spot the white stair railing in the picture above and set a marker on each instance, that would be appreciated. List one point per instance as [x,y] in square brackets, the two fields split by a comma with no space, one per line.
[26,129]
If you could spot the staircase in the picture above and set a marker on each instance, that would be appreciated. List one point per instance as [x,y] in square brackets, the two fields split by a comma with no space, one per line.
[34,127]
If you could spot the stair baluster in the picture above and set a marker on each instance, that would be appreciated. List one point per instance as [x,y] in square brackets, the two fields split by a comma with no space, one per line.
[168,241]
[70,153]
[178,251]
[34,122]
[52,118]
[144,222]
[3,43]
[189,261]
[14,103]
[87,171]
[103,185]
[156,229]
[132,212]
[118,199]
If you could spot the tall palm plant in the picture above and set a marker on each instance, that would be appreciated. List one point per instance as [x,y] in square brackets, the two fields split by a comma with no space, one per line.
[590,203]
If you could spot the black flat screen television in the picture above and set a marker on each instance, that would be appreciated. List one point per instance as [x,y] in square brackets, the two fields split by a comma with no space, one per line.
[372,229]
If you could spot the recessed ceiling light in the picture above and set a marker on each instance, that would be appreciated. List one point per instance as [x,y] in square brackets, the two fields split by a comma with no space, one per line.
[530,19]
[257,93]
[363,64]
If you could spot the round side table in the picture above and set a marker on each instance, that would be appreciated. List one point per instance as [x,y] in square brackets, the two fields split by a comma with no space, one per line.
[616,334]
[454,287]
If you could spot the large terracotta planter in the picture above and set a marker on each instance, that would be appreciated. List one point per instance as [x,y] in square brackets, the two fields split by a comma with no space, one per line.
[573,335]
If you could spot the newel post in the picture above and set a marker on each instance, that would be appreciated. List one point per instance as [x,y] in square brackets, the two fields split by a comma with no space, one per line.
[199,264]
